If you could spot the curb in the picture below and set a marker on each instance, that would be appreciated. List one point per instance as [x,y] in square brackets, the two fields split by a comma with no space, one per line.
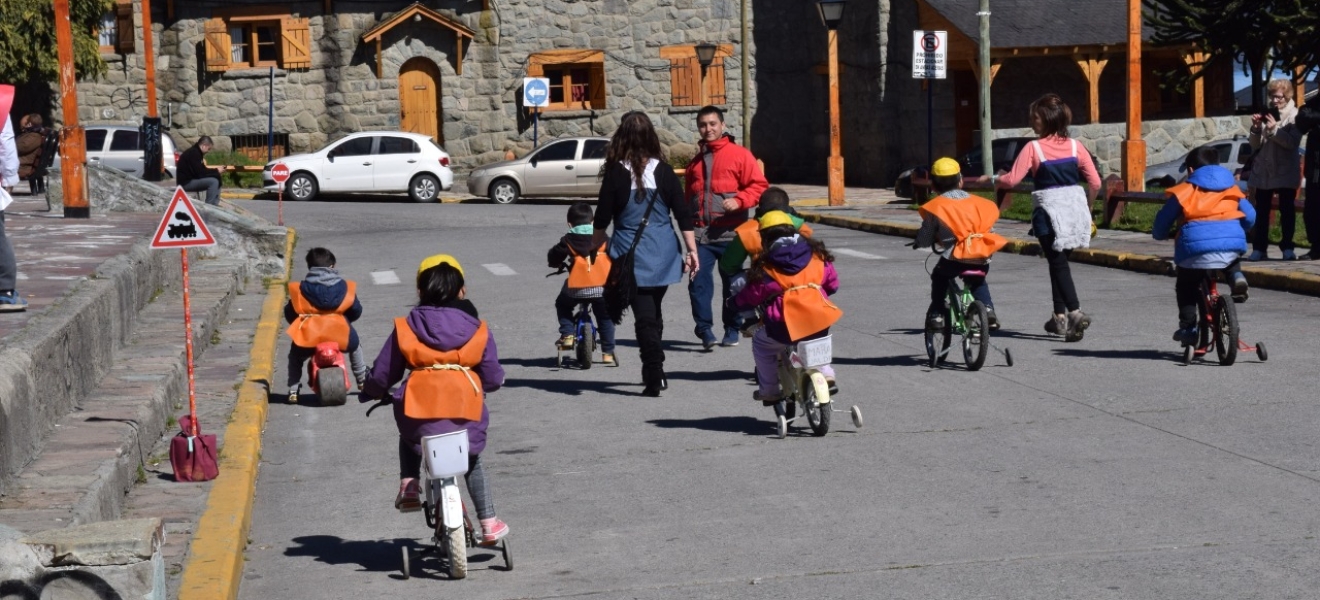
[1270,279]
[215,556]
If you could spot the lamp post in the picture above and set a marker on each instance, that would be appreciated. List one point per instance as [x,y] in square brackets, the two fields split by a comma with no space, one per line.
[705,56]
[831,13]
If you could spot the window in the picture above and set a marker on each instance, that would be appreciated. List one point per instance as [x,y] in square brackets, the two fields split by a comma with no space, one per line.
[261,147]
[595,149]
[565,150]
[124,139]
[257,37]
[115,33]
[354,147]
[577,77]
[689,83]
[95,139]
[397,145]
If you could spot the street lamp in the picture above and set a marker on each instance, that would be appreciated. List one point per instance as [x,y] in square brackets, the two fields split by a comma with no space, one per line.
[831,14]
[705,54]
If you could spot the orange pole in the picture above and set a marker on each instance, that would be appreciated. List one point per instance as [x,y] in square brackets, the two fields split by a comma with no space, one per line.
[149,55]
[187,325]
[73,147]
[1134,148]
[836,155]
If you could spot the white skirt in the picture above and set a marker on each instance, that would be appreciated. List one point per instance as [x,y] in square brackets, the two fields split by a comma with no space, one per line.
[1070,215]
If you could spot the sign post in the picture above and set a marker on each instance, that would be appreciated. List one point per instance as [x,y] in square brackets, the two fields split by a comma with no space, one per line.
[280,173]
[930,53]
[182,228]
[536,95]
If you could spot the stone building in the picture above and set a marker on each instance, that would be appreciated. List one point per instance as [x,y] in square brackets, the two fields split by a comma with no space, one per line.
[311,71]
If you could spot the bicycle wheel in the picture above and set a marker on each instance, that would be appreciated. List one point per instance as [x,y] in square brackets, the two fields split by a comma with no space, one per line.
[455,548]
[585,345]
[818,415]
[937,344]
[976,336]
[407,567]
[1226,331]
[330,385]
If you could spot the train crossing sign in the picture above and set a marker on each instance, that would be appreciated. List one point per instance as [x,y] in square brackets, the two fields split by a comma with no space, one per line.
[536,92]
[182,225]
[930,53]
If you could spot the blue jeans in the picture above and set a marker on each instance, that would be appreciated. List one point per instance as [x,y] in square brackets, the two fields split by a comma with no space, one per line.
[565,305]
[701,290]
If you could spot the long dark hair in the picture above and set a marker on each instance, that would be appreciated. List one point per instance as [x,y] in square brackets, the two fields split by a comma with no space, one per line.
[768,236]
[439,285]
[634,144]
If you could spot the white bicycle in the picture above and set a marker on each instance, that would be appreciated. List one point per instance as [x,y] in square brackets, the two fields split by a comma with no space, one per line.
[803,386]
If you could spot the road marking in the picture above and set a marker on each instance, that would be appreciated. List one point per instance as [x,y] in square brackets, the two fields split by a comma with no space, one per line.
[384,278]
[500,269]
[858,254]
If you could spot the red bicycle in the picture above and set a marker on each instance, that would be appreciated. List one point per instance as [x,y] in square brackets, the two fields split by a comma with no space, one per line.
[1218,328]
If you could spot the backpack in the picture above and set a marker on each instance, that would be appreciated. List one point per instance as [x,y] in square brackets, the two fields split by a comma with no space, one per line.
[50,148]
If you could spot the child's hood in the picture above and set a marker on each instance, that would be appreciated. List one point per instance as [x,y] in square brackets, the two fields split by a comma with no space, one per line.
[1213,178]
[580,243]
[444,328]
[323,287]
[789,258]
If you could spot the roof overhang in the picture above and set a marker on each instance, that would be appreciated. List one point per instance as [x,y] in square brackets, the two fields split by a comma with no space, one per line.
[416,10]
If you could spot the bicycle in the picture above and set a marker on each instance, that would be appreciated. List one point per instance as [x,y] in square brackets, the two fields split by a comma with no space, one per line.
[585,337]
[803,387]
[444,459]
[1219,329]
[967,317]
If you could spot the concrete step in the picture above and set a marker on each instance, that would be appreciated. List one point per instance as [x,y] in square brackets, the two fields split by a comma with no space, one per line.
[95,453]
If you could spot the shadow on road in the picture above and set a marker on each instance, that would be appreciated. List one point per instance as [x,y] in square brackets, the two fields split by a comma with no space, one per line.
[573,387]
[721,375]
[901,360]
[380,556]
[732,424]
[1122,354]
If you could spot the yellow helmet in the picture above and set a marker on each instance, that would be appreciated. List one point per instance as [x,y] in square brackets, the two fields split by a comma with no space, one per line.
[775,217]
[945,167]
[440,259]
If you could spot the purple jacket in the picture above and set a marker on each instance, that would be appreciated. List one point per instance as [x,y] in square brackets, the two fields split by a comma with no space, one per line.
[442,329]
[788,260]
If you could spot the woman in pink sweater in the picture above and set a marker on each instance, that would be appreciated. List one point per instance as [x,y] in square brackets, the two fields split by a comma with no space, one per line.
[1061,213]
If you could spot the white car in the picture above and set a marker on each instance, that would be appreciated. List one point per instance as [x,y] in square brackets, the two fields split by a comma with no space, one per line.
[368,162]
[118,146]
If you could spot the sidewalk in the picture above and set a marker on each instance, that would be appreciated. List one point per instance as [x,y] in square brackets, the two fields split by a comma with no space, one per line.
[880,211]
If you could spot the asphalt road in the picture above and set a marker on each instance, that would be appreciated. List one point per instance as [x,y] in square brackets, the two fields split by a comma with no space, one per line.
[1101,469]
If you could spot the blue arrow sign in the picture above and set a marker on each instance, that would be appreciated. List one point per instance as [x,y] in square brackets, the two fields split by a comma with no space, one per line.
[536,92]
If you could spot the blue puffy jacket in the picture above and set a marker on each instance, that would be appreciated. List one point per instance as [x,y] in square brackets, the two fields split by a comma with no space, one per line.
[1201,237]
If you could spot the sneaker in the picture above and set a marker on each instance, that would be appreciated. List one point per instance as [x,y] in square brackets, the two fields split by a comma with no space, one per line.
[607,359]
[833,385]
[11,302]
[1057,324]
[293,393]
[765,400]
[934,322]
[1256,255]
[1077,323]
[566,341]
[707,339]
[993,318]
[1289,254]
[730,338]
[1308,256]
[493,530]
[1185,336]
[409,498]
[1240,288]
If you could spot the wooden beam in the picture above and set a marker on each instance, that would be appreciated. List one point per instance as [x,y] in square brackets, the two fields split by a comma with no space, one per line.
[1299,81]
[1092,67]
[1134,148]
[1195,62]
[994,69]
[458,66]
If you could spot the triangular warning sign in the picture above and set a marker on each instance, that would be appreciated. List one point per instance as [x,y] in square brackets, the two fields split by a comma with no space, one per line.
[182,225]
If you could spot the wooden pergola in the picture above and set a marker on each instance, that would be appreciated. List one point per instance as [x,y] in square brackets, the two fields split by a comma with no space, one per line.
[419,13]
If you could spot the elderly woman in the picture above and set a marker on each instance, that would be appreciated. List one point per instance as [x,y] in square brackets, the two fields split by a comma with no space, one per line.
[1275,168]
[641,191]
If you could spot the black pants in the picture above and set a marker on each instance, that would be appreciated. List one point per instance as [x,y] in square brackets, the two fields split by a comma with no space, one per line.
[1061,283]
[1187,289]
[1260,239]
[649,325]
[945,271]
[1311,215]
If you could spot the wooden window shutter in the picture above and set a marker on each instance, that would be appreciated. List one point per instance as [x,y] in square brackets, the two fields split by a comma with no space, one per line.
[715,82]
[124,32]
[534,69]
[596,85]
[684,74]
[217,45]
[297,51]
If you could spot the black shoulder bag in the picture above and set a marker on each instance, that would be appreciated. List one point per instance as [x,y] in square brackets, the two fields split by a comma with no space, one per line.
[621,285]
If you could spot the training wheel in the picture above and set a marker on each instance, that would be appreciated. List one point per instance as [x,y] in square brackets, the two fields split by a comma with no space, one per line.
[1261,353]
[1008,356]
[407,572]
[508,556]
[1189,352]
[781,427]
[856,413]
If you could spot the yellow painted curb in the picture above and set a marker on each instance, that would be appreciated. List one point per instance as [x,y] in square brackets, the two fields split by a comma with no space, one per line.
[215,557]
[806,202]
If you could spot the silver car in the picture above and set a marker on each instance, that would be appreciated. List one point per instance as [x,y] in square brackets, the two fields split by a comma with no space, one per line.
[1232,154]
[118,146]
[564,168]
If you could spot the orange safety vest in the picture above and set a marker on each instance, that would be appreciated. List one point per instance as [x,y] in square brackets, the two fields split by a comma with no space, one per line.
[1204,205]
[588,272]
[318,325]
[750,234]
[806,309]
[970,219]
[441,385]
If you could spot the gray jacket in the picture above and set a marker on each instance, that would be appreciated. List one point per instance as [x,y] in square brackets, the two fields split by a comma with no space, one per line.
[1276,164]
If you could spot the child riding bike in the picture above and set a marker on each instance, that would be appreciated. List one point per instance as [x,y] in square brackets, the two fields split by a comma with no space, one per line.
[446,358]
[589,266]
[1212,217]
[791,282]
[747,245]
[320,309]
[961,224]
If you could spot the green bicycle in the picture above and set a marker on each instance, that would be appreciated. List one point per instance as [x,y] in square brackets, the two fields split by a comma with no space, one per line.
[967,318]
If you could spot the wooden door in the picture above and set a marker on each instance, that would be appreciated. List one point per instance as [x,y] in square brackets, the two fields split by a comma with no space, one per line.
[966,111]
[419,98]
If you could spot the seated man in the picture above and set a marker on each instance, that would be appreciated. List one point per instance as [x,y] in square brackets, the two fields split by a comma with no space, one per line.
[195,176]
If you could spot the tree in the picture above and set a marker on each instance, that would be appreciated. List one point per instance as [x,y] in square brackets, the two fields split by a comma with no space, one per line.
[27,39]
[1299,48]
[1224,30]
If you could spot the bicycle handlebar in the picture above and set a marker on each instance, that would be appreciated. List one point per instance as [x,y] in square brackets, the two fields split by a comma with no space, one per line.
[562,269]
[386,401]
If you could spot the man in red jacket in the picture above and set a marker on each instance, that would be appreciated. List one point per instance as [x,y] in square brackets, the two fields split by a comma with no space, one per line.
[723,183]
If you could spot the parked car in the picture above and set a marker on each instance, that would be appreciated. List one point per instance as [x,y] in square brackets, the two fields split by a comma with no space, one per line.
[564,168]
[1233,154]
[118,146]
[1003,152]
[370,161]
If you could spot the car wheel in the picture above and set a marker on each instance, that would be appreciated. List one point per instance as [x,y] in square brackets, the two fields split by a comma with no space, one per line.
[424,188]
[301,187]
[903,187]
[504,191]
